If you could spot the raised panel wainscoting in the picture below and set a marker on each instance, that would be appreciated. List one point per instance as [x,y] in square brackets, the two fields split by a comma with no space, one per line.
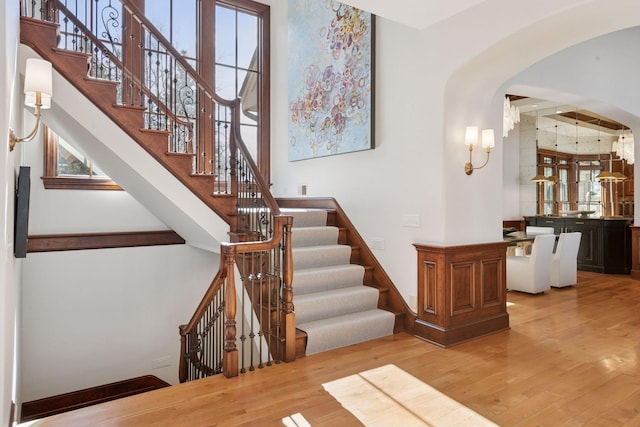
[461,292]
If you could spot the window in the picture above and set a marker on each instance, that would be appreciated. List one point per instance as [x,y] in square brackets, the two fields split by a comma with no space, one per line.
[229,46]
[573,185]
[67,168]
[589,188]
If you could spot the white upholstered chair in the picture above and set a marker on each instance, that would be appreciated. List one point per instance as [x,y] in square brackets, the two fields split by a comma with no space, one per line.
[564,263]
[532,273]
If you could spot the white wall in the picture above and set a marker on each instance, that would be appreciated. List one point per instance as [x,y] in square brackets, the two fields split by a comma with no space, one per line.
[9,278]
[599,75]
[511,175]
[98,316]
[430,84]
[79,211]
[77,119]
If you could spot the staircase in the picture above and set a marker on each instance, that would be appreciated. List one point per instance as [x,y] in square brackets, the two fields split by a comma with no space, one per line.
[41,36]
[342,295]
[332,305]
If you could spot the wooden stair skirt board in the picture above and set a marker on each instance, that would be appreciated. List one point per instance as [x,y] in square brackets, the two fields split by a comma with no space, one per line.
[332,304]
[461,292]
[91,396]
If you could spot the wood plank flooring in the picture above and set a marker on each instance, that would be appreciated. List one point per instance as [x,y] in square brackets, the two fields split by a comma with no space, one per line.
[571,358]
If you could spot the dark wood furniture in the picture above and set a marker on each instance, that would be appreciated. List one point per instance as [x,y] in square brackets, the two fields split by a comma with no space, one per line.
[605,246]
[461,292]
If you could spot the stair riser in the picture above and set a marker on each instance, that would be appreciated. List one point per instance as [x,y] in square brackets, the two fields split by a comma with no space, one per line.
[349,329]
[314,236]
[314,218]
[321,256]
[320,280]
[336,303]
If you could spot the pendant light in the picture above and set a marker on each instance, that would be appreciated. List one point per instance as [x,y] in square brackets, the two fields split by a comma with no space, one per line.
[604,175]
[539,177]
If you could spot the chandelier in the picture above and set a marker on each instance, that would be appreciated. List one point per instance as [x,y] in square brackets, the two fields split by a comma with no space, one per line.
[510,116]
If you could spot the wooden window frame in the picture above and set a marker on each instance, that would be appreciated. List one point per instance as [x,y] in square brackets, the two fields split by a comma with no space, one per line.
[573,169]
[51,179]
[262,13]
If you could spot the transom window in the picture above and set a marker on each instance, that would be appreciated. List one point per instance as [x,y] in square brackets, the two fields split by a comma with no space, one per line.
[65,167]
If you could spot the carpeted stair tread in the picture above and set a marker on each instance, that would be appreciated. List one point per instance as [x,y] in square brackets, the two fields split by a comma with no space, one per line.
[309,280]
[307,217]
[314,236]
[336,302]
[320,256]
[332,305]
[340,331]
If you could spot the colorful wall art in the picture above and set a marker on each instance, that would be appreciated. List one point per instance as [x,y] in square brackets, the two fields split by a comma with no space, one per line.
[331,79]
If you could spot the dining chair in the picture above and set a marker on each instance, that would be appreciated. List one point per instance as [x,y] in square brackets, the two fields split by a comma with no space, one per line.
[532,273]
[564,262]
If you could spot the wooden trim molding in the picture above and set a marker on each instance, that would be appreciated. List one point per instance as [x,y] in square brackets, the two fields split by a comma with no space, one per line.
[635,252]
[461,292]
[69,183]
[91,396]
[12,414]
[53,181]
[74,242]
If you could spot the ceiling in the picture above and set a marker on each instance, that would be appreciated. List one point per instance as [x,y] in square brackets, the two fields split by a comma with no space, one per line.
[421,14]
[418,14]
[567,114]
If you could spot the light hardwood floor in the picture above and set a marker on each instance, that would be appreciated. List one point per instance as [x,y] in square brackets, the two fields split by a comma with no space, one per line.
[571,358]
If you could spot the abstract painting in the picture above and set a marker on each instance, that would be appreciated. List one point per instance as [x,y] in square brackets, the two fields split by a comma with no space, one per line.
[330,79]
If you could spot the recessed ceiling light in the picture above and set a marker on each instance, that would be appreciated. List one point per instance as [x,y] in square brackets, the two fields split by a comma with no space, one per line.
[559,111]
[534,105]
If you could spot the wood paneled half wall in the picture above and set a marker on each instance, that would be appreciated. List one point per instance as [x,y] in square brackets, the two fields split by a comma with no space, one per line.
[461,292]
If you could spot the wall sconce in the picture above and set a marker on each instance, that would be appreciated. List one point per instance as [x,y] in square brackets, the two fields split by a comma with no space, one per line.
[471,139]
[38,87]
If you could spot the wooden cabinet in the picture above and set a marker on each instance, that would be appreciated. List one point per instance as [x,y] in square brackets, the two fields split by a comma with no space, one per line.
[461,292]
[605,245]
[590,253]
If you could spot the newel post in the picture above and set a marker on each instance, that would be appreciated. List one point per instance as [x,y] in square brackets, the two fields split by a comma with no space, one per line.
[230,357]
[289,315]
[182,367]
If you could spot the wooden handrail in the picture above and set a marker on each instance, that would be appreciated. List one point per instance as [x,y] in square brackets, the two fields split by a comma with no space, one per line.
[230,250]
[225,277]
[119,64]
[137,13]
[264,187]
[275,229]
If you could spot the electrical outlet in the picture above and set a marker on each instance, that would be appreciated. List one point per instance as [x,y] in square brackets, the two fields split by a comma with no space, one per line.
[377,243]
[411,220]
[161,362]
